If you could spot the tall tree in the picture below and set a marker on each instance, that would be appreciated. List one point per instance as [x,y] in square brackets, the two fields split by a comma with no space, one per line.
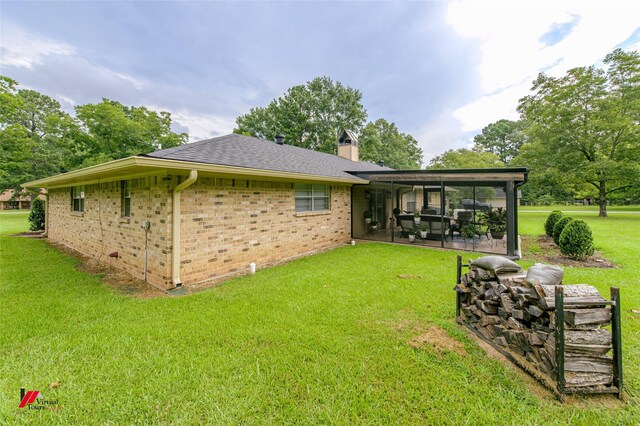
[309,116]
[34,135]
[503,138]
[545,184]
[586,124]
[382,141]
[465,159]
[313,115]
[38,139]
[113,130]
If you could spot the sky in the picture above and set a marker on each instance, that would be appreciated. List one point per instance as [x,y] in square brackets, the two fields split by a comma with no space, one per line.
[440,70]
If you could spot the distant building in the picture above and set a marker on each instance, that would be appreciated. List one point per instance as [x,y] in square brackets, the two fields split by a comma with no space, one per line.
[10,201]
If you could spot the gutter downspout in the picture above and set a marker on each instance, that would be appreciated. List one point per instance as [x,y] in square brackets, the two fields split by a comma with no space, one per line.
[46,215]
[175,234]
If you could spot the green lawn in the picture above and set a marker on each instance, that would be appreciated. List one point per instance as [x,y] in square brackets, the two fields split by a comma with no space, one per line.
[320,340]
[595,209]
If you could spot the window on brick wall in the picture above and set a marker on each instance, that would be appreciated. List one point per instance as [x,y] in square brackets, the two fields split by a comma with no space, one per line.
[125,198]
[77,198]
[311,198]
[411,201]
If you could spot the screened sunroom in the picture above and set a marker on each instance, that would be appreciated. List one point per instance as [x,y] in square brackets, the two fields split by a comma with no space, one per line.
[461,209]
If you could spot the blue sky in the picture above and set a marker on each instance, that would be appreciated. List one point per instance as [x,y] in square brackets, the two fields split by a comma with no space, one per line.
[440,70]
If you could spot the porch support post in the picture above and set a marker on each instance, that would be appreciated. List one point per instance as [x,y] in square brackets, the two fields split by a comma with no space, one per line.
[512,237]
[474,217]
[425,198]
[393,221]
[442,214]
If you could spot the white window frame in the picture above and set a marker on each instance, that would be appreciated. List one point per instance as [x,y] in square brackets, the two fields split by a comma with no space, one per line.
[317,191]
[77,193]
[125,197]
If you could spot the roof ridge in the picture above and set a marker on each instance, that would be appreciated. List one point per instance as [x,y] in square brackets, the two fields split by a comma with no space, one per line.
[247,151]
[188,145]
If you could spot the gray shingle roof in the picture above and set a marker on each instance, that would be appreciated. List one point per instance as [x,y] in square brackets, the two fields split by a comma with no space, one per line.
[245,151]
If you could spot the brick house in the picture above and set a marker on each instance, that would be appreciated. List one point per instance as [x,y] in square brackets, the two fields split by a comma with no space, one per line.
[9,200]
[207,209]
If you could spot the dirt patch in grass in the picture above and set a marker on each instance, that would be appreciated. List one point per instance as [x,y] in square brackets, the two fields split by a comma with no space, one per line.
[409,277]
[114,278]
[435,337]
[541,248]
[30,234]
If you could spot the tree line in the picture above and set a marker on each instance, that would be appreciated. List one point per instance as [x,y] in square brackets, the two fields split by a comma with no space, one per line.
[39,139]
[579,134]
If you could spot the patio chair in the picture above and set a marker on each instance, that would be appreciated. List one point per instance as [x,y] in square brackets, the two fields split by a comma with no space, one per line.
[464,217]
[406,225]
[437,229]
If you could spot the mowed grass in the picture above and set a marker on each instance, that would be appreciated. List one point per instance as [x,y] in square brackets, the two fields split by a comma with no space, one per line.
[592,208]
[320,340]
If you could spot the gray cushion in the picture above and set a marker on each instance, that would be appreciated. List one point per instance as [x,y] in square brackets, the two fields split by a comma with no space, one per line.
[497,264]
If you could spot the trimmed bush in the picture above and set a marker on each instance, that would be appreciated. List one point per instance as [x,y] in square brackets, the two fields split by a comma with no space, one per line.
[36,217]
[576,240]
[553,217]
[559,226]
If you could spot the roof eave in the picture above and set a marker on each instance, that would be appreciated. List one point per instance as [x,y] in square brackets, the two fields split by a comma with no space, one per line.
[136,165]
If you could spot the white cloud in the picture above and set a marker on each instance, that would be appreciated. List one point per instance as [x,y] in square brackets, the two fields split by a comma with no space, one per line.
[512,54]
[20,49]
[202,126]
[440,134]
[24,50]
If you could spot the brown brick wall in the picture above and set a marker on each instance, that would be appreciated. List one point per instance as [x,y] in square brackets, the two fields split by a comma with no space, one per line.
[226,224]
[101,229]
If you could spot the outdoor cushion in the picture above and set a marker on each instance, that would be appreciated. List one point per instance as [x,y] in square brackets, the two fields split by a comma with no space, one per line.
[544,274]
[498,264]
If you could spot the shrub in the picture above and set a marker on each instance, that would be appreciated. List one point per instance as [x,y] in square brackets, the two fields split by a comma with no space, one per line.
[36,217]
[559,226]
[553,217]
[576,240]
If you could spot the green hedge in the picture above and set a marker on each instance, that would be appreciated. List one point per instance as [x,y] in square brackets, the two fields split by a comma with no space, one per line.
[576,240]
[559,226]
[37,215]
[553,217]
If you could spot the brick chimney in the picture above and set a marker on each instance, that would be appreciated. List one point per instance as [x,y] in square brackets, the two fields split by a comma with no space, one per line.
[348,146]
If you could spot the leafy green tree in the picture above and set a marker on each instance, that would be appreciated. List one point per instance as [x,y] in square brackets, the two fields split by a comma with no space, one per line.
[546,185]
[309,116]
[9,104]
[38,139]
[34,135]
[113,130]
[382,141]
[503,138]
[585,124]
[465,159]
[313,115]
